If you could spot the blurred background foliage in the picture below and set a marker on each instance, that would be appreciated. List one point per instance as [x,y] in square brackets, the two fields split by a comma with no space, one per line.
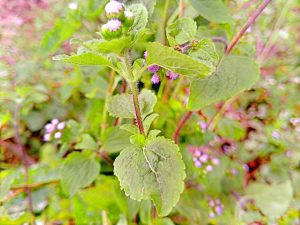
[256,139]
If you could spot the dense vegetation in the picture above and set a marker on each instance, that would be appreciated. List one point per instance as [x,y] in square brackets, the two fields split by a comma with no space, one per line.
[150,112]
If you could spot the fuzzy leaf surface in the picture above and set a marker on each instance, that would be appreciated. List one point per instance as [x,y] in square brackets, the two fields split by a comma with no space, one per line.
[154,172]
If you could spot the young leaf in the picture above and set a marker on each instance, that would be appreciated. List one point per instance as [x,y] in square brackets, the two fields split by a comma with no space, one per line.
[170,59]
[205,51]
[154,172]
[78,171]
[140,16]
[102,46]
[116,139]
[122,105]
[181,31]
[86,143]
[215,10]
[85,59]
[235,74]
[148,121]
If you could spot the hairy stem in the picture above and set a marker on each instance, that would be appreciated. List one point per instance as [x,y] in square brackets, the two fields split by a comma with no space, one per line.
[138,115]
[250,21]
[165,21]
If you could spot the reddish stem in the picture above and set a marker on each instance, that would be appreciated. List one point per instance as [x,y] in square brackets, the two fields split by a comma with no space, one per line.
[181,125]
[250,21]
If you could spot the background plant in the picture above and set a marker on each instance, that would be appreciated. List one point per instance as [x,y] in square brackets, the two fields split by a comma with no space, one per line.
[158,71]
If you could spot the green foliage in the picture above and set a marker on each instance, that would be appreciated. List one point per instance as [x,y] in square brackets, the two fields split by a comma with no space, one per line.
[155,171]
[234,75]
[140,16]
[103,46]
[215,11]
[181,31]
[170,59]
[79,170]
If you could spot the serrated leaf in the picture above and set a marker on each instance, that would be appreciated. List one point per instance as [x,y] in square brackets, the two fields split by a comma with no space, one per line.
[122,105]
[130,128]
[234,75]
[78,171]
[206,52]
[170,59]
[86,142]
[103,46]
[85,59]
[212,10]
[181,31]
[140,16]
[154,172]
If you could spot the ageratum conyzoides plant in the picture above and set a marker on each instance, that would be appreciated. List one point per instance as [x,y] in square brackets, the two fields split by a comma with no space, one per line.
[151,165]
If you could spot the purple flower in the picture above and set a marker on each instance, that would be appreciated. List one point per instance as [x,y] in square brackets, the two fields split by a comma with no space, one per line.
[145,54]
[113,7]
[57,135]
[215,161]
[49,127]
[113,24]
[47,137]
[153,68]
[198,163]
[275,134]
[55,121]
[61,126]
[219,210]
[209,168]
[155,79]
[211,215]
[172,75]
[204,158]
[203,125]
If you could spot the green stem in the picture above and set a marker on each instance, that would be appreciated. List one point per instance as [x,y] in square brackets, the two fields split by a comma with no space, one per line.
[165,21]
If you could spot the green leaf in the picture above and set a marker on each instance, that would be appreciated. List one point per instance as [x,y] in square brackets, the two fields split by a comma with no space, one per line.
[181,31]
[87,143]
[122,105]
[272,200]
[206,52]
[234,75]
[170,59]
[102,46]
[213,10]
[115,140]
[140,16]
[148,121]
[78,171]
[154,172]
[85,59]
[130,128]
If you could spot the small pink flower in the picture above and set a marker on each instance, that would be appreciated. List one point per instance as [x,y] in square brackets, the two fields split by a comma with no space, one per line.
[211,215]
[155,79]
[57,135]
[172,75]
[49,127]
[113,7]
[209,168]
[55,121]
[47,137]
[215,161]
[153,68]
[113,24]
[61,126]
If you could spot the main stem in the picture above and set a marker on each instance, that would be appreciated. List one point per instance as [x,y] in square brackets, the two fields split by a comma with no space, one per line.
[138,115]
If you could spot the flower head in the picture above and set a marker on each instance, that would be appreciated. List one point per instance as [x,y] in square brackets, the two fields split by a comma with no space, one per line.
[128,14]
[155,79]
[172,75]
[153,68]
[113,7]
[113,24]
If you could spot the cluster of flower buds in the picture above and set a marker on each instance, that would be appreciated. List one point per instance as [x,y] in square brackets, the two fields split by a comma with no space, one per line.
[119,21]
[53,130]
[203,160]
[154,69]
[216,207]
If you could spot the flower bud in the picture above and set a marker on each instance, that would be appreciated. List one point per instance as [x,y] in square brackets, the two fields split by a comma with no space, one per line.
[129,18]
[155,79]
[112,29]
[114,9]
